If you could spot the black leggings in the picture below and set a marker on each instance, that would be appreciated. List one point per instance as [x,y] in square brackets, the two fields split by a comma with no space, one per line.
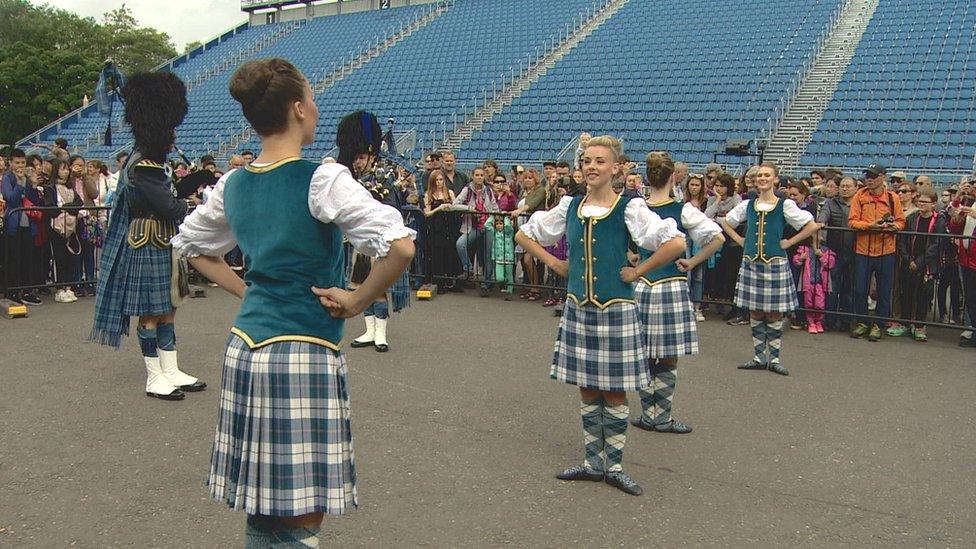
[916,292]
[65,262]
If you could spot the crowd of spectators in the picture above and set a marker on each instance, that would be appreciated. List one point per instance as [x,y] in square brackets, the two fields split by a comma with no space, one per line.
[886,248]
[49,250]
[887,245]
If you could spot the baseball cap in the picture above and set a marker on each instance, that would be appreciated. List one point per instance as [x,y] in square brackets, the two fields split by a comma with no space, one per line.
[899,175]
[875,170]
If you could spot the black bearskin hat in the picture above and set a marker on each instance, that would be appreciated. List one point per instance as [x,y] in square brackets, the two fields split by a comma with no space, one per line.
[155,104]
[358,133]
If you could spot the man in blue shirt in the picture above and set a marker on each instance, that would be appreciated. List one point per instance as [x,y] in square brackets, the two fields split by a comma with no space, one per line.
[17,229]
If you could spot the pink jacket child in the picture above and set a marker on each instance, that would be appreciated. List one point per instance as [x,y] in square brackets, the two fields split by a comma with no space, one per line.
[814,282]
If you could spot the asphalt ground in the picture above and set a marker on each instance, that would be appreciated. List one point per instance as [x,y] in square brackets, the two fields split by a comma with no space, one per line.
[459,430]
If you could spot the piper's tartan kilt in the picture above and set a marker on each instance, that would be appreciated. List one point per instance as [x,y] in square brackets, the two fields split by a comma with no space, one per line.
[766,287]
[148,281]
[667,318]
[283,444]
[600,349]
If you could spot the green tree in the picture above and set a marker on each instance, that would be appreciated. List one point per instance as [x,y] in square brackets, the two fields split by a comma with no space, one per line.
[50,59]
[133,48]
[192,46]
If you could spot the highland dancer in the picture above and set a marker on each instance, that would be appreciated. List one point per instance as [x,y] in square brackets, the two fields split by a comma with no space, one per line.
[599,346]
[140,275]
[663,304]
[765,287]
[283,448]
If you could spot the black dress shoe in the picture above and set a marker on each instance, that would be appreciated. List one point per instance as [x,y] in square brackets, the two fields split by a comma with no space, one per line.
[196,386]
[580,472]
[382,347]
[359,344]
[778,368]
[621,481]
[175,395]
[752,365]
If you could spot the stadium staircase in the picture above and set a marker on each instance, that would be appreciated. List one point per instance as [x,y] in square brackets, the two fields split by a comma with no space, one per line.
[804,112]
[242,55]
[516,84]
[336,73]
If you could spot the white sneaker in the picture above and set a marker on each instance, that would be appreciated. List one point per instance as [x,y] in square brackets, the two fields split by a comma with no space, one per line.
[699,316]
[968,334]
[60,297]
[70,296]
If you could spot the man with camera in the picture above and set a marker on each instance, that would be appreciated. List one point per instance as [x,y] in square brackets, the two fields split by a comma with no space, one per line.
[876,214]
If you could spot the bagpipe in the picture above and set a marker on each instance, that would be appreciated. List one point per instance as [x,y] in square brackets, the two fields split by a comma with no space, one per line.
[110,80]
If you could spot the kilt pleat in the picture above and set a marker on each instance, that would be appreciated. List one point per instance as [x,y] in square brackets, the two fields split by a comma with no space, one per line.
[766,287]
[283,443]
[600,349]
[148,282]
[667,319]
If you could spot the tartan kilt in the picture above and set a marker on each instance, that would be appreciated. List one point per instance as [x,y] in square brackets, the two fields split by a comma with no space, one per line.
[667,318]
[766,287]
[148,282]
[283,444]
[600,349]
[400,292]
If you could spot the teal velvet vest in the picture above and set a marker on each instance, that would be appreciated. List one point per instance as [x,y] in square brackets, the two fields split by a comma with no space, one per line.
[597,252]
[667,210]
[764,230]
[287,251]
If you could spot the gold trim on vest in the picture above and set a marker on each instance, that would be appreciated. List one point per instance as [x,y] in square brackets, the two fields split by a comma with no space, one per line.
[683,278]
[273,165]
[589,260]
[287,337]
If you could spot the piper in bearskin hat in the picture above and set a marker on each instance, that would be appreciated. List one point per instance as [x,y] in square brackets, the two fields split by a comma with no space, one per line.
[139,274]
[358,138]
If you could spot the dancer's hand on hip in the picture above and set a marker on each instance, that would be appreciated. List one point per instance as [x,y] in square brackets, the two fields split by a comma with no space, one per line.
[340,303]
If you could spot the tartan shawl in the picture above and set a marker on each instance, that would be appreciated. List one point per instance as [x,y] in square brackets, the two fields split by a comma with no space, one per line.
[110,324]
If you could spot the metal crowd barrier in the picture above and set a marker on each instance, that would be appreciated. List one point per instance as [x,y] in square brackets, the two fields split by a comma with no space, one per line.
[472,277]
[420,269]
[45,265]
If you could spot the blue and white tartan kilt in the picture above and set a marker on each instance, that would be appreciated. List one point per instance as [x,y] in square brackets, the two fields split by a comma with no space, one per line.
[766,287]
[148,282]
[400,293]
[600,349]
[667,318]
[283,444]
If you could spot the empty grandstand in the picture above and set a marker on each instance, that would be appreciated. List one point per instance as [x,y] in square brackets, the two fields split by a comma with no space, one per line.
[518,81]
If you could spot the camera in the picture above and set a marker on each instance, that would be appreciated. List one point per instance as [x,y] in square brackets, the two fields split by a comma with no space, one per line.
[888,219]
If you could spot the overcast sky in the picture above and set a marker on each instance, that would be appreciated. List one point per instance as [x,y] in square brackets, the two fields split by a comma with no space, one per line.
[183,20]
